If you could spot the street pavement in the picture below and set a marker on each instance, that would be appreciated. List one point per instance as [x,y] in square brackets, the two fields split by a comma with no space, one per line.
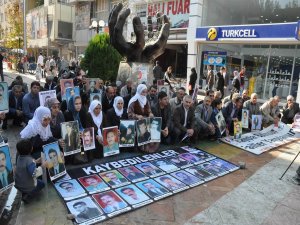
[250,196]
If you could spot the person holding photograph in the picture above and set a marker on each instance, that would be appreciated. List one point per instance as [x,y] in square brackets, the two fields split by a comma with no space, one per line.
[57,117]
[116,113]
[112,144]
[57,165]
[31,101]
[6,175]
[143,133]
[232,112]
[128,137]
[290,110]
[252,106]
[85,212]
[216,108]
[26,172]
[88,138]
[270,111]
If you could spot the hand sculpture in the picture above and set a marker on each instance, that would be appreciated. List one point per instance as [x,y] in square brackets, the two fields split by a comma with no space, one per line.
[138,51]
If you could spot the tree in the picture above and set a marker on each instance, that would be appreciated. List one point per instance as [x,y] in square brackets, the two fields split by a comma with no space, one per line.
[101,59]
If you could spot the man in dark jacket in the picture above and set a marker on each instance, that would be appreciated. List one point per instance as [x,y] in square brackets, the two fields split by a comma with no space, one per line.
[157,72]
[232,111]
[108,98]
[290,110]
[220,82]
[193,79]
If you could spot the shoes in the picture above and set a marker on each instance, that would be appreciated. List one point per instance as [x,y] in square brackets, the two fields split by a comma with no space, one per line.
[25,198]
[296,180]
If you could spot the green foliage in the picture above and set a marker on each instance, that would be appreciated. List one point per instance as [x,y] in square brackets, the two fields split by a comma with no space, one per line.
[101,59]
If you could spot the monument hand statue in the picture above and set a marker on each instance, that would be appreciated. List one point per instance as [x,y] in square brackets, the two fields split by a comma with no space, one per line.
[138,51]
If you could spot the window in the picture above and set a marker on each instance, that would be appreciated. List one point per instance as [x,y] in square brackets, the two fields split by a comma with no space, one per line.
[102,5]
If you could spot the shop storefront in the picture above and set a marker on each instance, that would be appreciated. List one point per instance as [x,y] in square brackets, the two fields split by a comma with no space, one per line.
[270,53]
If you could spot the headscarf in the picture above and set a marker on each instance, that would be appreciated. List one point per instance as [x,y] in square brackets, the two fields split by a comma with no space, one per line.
[118,111]
[236,75]
[35,126]
[49,103]
[97,119]
[74,112]
[142,99]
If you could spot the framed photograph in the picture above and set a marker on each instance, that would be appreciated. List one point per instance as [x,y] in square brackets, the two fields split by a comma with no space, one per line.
[69,189]
[93,183]
[256,122]
[165,165]
[191,158]
[153,189]
[4,108]
[6,169]
[110,141]
[111,203]
[186,178]
[171,183]
[127,133]
[64,84]
[221,122]
[114,178]
[92,84]
[224,164]
[132,173]
[70,92]
[179,162]
[200,173]
[164,88]
[45,95]
[55,160]
[88,139]
[237,129]
[143,133]
[245,118]
[155,128]
[71,137]
[95,96]
[132,194]
[85,210]
[149,169]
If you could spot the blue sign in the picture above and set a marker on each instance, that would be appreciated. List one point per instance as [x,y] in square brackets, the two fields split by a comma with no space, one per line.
[214,58]
[298,31]
[260,31]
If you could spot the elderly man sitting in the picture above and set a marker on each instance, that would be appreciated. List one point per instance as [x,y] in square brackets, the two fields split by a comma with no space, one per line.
[290,110]
[252,106]
[270,111]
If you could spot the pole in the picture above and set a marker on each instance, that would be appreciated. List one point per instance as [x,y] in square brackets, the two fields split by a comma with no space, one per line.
[24,29]
[289,166]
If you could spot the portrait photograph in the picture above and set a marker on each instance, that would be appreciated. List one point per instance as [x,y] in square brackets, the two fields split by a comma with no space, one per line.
[164,165]
[4,108]
[55,160]
[110,202]
[212,168]
[95,96]
[114,178]
[132,173]
[84,209]
[132,194]
[127,133]
[70,189]
[110,141]
[64,84]
[152,188]
[178,161]
[164,88]
[160,83]
[6,169]
[143,131]
[92,84]
[224,164]
[191,158]
[256,122]
[221,122]
[200,173]
[93,183]
[71,136]
[45,95]
[88,138]
[143,72]
[204,156]
[185,177]
[245,118]
[70,92]
[170,182]
[149,169]
[155,129]
[237,129]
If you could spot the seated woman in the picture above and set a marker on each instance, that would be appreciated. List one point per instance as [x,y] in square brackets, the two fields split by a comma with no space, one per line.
[116,113]
[57,117]
[96,118]
[38,131]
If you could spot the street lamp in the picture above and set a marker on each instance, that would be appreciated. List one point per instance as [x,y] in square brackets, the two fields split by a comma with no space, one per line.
[97,25]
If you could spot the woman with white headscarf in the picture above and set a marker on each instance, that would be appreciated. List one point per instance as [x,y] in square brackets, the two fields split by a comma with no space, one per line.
[96,118]
[116,113]
[38,130]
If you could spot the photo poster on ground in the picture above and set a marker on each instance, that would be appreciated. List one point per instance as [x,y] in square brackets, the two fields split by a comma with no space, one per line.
[127,133]
[4,108]
[256,122]
[237,129]
[164,88]
[143,134]
[55,160]
[6,168]
[45,95]
[245,118]
[155,128]
[71,136]
[221,122]
[70,92]
[115,187]
[88,139]
[110,141]
[64,84]
[95,96]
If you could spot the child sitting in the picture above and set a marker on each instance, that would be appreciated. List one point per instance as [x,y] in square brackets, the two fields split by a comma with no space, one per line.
[26,172]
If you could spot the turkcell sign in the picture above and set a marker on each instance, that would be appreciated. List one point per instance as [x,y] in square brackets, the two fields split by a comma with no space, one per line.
[243,33]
